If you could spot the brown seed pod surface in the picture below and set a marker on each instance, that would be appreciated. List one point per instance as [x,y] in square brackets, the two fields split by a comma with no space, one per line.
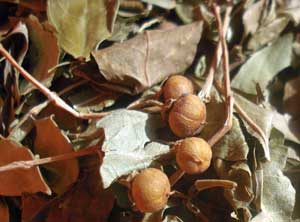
[187,116]
[176,86]
[193,155]
[150,190]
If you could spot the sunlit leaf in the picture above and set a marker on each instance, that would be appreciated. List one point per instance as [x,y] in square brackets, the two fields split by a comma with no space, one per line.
[263,65]
[81,24]
[127,145]
[150,57]
[262,117]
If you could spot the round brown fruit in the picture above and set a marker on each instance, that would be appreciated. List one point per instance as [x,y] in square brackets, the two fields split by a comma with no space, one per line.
[150,190]
[176,86]
[193,155]
[187,116]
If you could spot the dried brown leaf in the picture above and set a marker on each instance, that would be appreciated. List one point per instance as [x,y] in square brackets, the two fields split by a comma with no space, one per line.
[80,25]
[31,204]
[85,201]
[36,5]
[43,53]
[150,57]
[17,182]
[51,141]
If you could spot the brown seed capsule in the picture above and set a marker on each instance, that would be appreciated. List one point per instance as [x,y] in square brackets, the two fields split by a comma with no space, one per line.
[187,116]
[193,155]
[150,190]
[176,86]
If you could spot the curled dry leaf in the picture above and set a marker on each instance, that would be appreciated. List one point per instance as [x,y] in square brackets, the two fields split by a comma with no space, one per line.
[239,172]
[262,117]
[80,25]
[16,182]
[126,146]
[51,141]
[18,49]
[10,80]
[41,56]
[150,57]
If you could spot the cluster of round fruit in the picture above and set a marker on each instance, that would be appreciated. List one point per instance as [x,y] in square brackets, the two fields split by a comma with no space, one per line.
[186,116]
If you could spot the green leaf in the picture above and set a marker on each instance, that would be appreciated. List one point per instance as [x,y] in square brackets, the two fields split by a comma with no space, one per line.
[126,145]
[81,24]
[264,65]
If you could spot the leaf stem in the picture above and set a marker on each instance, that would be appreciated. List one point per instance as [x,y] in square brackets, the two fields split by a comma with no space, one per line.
[229,100]
[211,183]
[24,165]
[44,90]
[205,92]
[244,115]
[175,177]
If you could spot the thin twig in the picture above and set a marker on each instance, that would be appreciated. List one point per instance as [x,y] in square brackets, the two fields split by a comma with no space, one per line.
[251,123]
[25,165]
[152,109]
[227,125]
[44,90]
[37,109]
[175,177]
[53,69]
[143,103]
[206,89]
[228,97]
[211,183]
[229,100]
[244,115]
